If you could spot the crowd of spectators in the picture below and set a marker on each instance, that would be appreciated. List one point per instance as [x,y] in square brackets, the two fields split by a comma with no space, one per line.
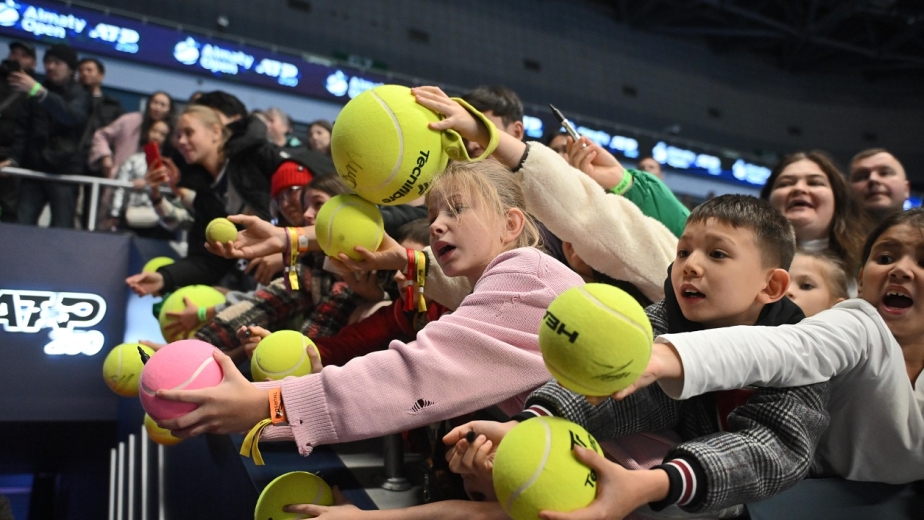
[500,239]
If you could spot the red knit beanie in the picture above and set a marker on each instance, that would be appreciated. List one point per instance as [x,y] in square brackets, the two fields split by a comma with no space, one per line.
[289,174]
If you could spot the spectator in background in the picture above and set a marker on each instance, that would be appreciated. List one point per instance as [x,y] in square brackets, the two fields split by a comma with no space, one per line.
[502,106]
[880,184]
[319,136]
[558,141]
[11,101]
[648,164]
[279,129]
[114,143]
[47,136]
[811,192]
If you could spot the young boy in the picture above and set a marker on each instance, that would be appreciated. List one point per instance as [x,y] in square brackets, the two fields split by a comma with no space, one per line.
[738,446]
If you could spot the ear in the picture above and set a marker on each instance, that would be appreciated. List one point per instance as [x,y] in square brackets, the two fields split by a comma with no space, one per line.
[777,284]
[514,223]
[516,129]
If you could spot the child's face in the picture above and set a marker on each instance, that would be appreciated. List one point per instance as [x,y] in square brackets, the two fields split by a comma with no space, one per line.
[809,287]
[462,236]
[718,275]
[313,200]
[892,280]
[803,194]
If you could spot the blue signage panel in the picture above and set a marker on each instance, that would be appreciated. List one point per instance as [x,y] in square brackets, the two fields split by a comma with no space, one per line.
[121,37]
[62,308]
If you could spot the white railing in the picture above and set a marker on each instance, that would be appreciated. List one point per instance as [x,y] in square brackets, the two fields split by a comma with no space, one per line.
[94,182]
[122,482]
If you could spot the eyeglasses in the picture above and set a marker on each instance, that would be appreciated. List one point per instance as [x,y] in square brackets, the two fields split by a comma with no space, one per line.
[290,195]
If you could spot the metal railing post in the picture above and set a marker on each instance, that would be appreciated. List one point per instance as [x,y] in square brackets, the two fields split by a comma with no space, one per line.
[94,201]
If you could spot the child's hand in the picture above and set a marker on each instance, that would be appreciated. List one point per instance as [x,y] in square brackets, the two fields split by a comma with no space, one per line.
[599,164]
[456,116]
[364,284]
[619,490]
[476,459]
[664,365]
[342,509]
[259,238]
[184,321]
[390,256]
[234,405]
[315,357]
[154,346]
[264,268]
[250,337]
[144,284]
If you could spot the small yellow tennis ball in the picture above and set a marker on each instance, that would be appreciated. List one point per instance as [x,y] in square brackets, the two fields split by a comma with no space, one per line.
[397,165]
[595,339]
[122,368]
[535,468]
[156,263]
[159,435]
[296,487]
[347,221]
[220,230]
[280,355]
[199,295]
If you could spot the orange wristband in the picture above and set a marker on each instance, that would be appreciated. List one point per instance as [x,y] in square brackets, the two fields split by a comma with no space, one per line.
[277,410]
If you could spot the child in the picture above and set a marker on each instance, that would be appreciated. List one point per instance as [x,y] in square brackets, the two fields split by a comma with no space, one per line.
[738,446]
[872,348]
[817,281]
[485,353]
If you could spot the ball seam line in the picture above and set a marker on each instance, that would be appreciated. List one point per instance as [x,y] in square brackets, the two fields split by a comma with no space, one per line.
[301,360]
[535,476]
[618,314]
[394,120]
[195,374]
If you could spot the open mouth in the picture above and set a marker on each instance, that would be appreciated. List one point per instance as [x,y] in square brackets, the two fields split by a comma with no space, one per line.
[800,204]
[691,293]
[897,300]
[444,249]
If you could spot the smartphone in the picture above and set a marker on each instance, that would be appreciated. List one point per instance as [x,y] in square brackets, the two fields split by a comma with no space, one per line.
[565,123]
[152,155]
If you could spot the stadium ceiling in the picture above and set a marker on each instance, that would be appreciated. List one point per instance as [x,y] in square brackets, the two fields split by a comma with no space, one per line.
[869,37]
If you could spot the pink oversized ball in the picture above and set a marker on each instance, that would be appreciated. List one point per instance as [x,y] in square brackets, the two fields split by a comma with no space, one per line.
[182,365]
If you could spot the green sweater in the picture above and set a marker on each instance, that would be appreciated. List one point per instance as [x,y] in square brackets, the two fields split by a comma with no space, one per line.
[655,200]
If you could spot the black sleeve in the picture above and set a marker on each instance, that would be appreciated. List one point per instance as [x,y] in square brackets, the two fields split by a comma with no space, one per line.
[397,216]
[71,113]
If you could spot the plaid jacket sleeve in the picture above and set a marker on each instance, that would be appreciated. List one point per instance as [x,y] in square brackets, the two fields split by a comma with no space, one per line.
[272,307]
[769,447]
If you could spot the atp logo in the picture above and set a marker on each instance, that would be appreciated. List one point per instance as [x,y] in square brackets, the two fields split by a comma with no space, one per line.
[66,314]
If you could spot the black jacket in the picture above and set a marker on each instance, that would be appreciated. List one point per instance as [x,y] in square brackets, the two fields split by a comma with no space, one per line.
[48,129]
[252,160]
[103,110]
[11,101]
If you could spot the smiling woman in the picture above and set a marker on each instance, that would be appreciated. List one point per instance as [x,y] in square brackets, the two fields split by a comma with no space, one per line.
[811,192]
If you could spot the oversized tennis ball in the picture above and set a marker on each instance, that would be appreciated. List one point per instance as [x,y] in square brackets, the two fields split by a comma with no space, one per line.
[159,435]
[199,295]
[535,468]
[280,355]
[297,487]
[595,339]
[382,147]
[182,365]
[122,368]
[156,263]
[347,221]
[220,230]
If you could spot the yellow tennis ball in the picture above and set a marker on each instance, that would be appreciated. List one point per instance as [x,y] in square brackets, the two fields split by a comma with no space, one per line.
[199,295]
[156,263]
[347,221]
[595,339]
[122,368]
[296,487]
[382,147]
[280,355]
[159,435]
[220,230]
[535,468]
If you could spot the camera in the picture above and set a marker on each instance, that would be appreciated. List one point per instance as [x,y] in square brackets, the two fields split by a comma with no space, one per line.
[8,66]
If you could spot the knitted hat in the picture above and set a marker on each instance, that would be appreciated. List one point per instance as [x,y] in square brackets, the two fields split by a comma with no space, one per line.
[289,174]
[30,50]
[65,53]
